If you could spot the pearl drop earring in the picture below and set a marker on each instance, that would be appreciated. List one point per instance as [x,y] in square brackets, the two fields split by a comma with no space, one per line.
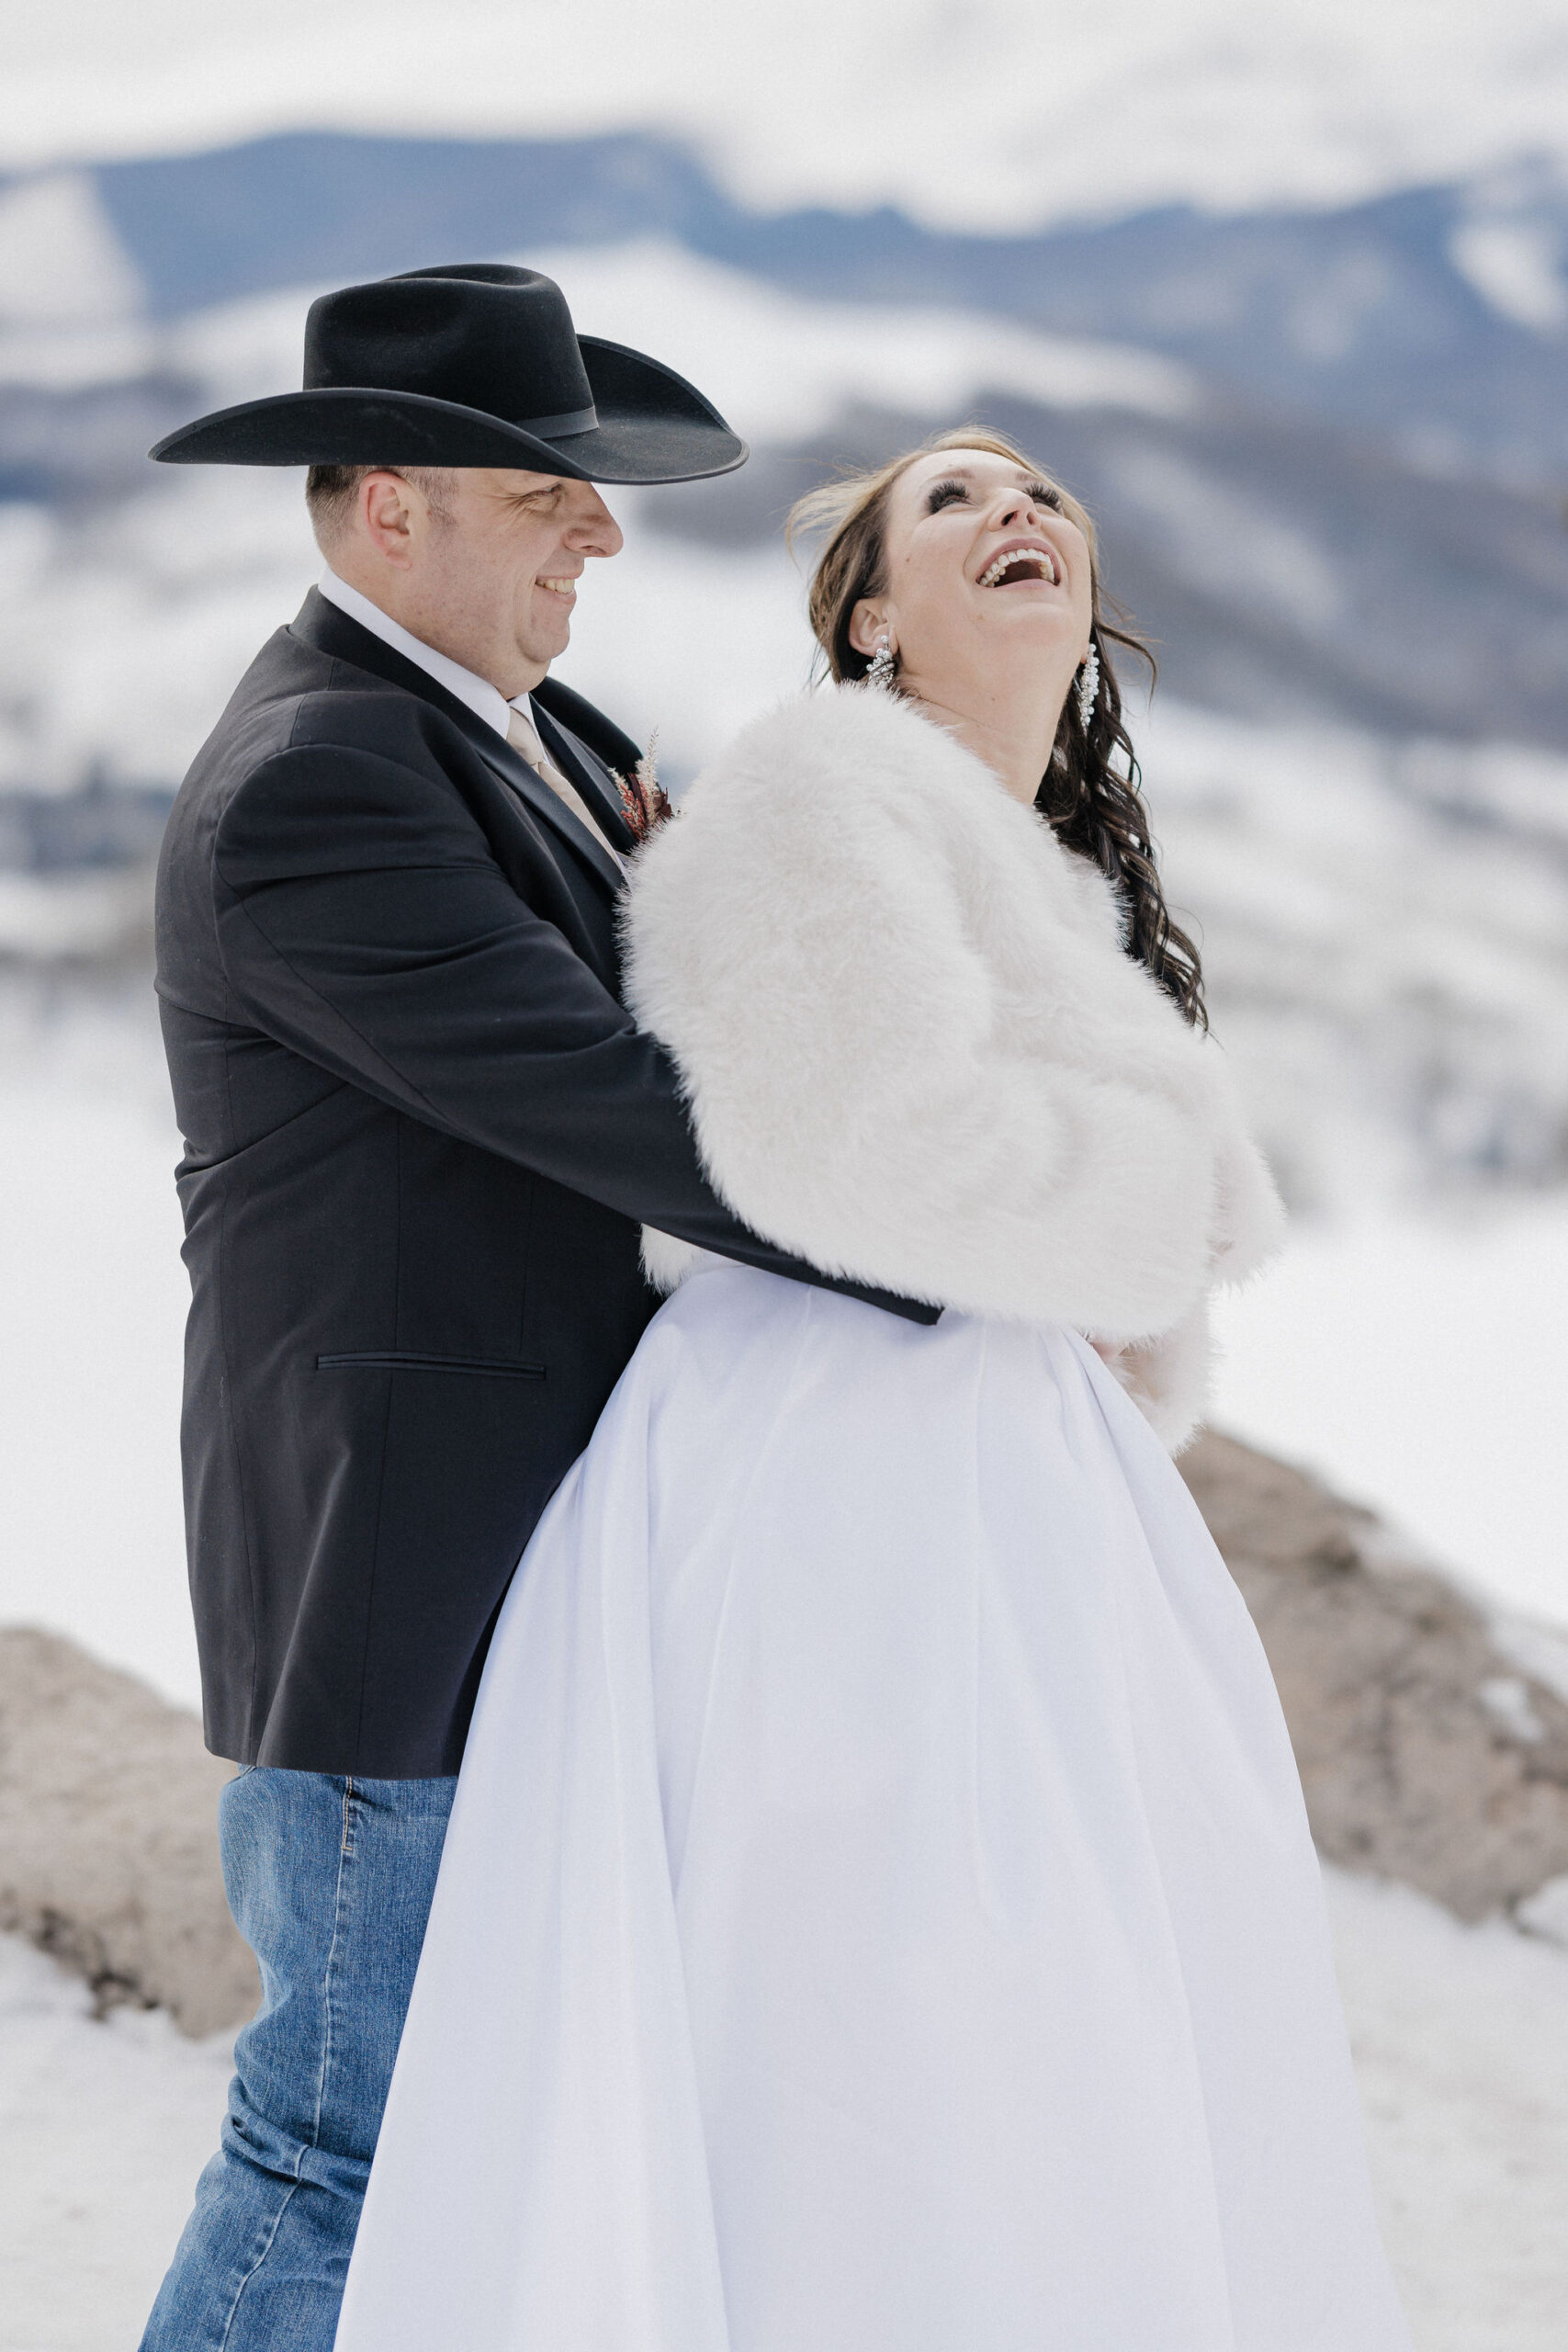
[1088,686]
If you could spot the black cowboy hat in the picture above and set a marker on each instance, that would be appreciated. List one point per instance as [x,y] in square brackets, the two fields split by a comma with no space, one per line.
[471,364]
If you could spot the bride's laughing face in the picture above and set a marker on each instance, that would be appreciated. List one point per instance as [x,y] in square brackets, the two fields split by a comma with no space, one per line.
[987,581]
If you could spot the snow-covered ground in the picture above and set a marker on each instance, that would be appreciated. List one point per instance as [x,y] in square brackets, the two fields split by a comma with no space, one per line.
[1413,1361]
[1460,2036]
[92,1298]
[102,2130]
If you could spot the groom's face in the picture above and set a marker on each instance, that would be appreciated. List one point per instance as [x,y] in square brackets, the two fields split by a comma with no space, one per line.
[483,562]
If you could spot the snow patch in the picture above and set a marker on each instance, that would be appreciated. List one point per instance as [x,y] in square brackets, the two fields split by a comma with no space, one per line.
[1515,266]
[1413,1361]
[1545,1913]
[1461,2041]
[104,2128]
[61,260]
[1507,1701]
[786,367]
[95,1304]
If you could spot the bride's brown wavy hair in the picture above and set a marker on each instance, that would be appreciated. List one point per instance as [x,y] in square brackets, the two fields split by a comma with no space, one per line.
[1089,792]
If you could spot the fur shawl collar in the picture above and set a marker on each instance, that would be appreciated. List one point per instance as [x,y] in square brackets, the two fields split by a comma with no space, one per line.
[917,1054]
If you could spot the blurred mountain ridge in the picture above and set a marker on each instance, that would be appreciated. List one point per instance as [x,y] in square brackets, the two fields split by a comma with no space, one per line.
[1435,316]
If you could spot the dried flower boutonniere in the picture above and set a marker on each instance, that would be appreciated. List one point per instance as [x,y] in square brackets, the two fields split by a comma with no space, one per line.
[644,798]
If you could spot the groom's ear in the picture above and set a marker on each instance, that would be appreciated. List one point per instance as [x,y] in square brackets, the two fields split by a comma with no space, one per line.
[385,511]
[867,623]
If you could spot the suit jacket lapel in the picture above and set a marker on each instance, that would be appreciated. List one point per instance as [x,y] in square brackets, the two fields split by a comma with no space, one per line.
[581,765]
[549,806]
[334,633]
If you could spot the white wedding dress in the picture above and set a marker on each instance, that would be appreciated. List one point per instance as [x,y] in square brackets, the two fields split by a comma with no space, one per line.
[878,1913]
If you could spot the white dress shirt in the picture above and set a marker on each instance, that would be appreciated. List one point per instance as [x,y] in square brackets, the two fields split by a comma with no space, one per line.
[487,702]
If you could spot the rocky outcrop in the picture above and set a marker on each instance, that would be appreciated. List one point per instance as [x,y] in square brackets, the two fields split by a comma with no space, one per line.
[108,1835]
[1429,1754]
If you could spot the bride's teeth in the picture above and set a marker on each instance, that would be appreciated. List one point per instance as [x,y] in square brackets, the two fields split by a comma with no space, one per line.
[1037,556]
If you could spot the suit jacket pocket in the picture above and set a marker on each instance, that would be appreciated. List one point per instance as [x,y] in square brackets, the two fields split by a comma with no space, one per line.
[411,1360]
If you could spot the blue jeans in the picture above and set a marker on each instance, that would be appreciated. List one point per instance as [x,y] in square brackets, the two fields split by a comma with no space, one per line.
[330,1882]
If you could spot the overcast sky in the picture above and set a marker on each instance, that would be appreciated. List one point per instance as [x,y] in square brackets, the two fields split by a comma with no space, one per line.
[983,112]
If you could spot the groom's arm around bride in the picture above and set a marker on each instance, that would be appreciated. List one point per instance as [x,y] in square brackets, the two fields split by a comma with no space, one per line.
[421,1132]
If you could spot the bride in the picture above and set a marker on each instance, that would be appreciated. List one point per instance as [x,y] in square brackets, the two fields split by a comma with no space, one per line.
[878,1913]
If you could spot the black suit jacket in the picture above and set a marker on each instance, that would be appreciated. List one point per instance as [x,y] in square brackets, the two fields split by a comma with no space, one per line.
[421,1132]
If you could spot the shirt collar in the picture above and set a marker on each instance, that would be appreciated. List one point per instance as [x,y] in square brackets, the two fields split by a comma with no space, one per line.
[487,702]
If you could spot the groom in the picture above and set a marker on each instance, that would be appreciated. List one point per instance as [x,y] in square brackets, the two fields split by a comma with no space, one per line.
[420,1133]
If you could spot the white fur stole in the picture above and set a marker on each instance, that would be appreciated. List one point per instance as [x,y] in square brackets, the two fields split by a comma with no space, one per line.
[917,1054]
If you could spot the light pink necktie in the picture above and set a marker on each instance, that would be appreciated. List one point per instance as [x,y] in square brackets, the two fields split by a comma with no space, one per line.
[523,736]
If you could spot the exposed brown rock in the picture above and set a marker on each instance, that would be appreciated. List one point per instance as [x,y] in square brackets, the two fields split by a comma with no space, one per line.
[1426,1753]
[108,1835]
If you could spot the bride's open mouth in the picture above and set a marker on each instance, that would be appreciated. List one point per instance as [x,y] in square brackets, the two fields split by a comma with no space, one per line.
[1031,561]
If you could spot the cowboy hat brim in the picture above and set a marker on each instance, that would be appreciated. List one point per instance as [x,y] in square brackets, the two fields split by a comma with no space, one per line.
[650,425]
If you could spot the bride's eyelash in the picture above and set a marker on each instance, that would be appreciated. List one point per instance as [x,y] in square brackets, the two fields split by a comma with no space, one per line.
[942,493]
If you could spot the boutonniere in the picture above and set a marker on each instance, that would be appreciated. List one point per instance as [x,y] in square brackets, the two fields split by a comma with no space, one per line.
[644,798]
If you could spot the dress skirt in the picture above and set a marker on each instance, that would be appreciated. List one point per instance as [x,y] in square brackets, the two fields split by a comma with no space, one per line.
[878,1913]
